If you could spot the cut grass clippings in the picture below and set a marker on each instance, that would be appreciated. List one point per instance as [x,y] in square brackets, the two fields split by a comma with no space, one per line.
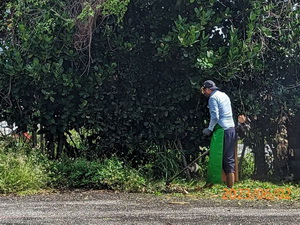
[243,190]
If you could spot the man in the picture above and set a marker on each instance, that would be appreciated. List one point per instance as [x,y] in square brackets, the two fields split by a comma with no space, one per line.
[221,125]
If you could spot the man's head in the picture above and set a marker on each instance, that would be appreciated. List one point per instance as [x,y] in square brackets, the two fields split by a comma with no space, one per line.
[208,87]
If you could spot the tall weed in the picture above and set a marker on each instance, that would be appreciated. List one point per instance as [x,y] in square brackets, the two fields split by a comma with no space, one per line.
[163,162]
[21,168]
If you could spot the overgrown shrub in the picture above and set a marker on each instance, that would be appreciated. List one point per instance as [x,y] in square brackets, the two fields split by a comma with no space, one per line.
[247,169]
[21,168]
[109,173]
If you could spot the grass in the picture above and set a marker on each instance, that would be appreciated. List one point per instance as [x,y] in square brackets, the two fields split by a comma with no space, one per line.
[243,190]
[24,171]
[20,171]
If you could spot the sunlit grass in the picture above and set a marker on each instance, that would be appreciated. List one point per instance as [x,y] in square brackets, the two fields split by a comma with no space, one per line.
[242,190]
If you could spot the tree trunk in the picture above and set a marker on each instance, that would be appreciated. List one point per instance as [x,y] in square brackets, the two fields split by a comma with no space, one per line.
[242,157]
[260,167]
[61,143]
[293,130]
[42,146]
[34,138]
[50,145]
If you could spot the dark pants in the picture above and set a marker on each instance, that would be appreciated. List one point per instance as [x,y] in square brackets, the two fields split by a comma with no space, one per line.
[229,150]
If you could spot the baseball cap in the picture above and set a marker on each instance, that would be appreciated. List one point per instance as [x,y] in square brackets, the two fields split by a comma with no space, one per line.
[210,85]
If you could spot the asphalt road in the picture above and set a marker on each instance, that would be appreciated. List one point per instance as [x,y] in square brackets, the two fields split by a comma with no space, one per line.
[102,207]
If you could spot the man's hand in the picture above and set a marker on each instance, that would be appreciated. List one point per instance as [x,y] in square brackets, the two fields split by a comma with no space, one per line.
[207,132]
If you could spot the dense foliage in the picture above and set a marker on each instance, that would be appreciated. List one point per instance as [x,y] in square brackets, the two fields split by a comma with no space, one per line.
[134,82]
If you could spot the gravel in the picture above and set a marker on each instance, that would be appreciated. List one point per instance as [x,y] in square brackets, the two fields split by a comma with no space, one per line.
[104,207]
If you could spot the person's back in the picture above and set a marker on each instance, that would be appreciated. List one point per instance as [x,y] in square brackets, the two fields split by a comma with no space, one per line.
[220,110]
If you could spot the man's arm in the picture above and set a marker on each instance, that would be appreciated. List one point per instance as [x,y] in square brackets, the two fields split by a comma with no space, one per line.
[214,113]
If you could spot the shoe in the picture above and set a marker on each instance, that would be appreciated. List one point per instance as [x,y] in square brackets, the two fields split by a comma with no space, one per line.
[230,180]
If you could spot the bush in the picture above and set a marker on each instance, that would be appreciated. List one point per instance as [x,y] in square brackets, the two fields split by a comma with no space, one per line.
[21,168]
[109,173]
[247,169]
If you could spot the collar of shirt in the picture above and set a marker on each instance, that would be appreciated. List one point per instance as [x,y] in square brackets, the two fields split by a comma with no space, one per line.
[213,93]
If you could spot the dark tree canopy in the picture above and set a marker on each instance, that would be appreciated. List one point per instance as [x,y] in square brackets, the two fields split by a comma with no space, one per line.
[135,80]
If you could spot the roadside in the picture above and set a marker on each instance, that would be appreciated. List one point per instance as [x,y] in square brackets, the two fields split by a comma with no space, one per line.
[103,207]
